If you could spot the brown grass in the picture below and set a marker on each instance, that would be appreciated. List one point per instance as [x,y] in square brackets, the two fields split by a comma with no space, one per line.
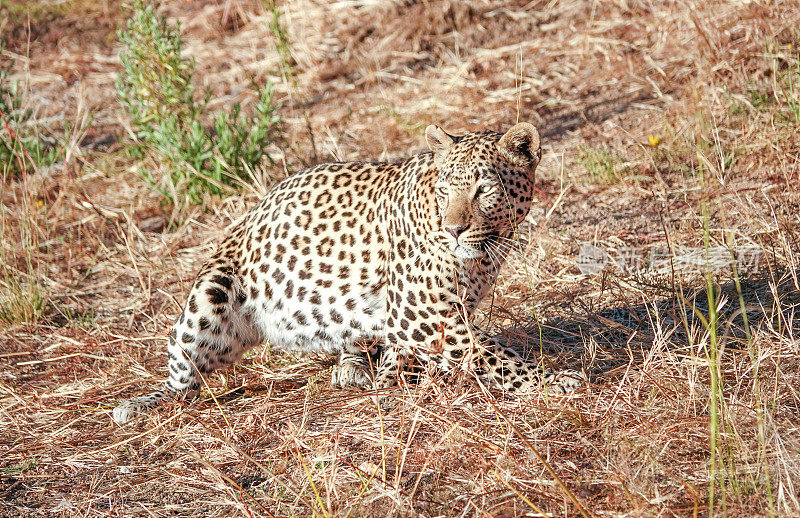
[366,77]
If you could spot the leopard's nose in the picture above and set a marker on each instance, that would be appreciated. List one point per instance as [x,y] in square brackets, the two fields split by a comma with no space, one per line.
[455,230]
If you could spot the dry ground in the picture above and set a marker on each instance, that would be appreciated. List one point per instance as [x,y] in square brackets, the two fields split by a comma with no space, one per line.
[664,124]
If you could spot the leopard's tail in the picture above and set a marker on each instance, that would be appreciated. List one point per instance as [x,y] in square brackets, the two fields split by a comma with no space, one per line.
[183,383]
[132,408]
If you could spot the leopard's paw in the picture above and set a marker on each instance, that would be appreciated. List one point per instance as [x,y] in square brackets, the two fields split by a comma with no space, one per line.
[564,382]
[351,375]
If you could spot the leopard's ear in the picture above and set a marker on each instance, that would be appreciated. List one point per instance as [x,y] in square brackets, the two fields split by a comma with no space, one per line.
[439,141]
[521,145]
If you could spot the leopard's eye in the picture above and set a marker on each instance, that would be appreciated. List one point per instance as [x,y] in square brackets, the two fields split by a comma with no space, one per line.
[441,191]
[483,189]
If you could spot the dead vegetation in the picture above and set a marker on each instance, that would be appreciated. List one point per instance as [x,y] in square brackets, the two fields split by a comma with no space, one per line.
[670,134]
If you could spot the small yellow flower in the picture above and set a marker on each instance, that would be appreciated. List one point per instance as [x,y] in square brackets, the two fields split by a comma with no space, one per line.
[654,141]
[40,203]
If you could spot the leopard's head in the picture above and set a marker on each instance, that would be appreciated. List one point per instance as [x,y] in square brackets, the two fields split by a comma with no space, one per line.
[484,185]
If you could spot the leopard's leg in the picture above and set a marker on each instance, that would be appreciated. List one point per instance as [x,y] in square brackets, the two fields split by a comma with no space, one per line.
[508,370]
[503,367]
[441,333]
[392,361]
[389,366]
[213,331]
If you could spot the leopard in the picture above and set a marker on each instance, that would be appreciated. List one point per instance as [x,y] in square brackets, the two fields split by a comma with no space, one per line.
[342,255]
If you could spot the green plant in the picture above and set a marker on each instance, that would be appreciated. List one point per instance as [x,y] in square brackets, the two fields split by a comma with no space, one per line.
[18,468]
[282,45]
[754,98]
[760,406]
[786,74]
[22,294]
[168,116]
[286,70]
[758,98]
[781,95]
[602,165]
[412,126]
[22,297]
[20,144]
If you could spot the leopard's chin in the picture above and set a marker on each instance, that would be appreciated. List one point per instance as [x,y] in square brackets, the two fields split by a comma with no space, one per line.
[467,252]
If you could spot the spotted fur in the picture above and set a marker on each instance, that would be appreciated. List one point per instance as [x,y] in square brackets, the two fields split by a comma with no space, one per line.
[342,254]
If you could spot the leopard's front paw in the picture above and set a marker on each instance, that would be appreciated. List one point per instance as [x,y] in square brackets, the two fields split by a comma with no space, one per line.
[564,382]
[351,375]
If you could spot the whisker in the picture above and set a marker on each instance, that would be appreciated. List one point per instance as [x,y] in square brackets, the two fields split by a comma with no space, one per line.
[510,242]
[507,245]
[499,253]
[505,238]
[519,247]
[491,253]
[510,249]
[514,265]
[506,251]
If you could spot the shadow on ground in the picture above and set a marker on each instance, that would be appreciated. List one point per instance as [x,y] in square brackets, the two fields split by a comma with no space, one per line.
[607,339]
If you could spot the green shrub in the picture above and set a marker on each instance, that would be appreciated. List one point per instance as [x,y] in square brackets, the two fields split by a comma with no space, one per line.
[169,118]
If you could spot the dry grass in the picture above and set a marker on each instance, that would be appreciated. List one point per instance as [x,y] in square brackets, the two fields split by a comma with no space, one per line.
[690,99]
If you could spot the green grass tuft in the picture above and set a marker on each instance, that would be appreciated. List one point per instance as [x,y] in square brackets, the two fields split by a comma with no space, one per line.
[21,145]
[602,165]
